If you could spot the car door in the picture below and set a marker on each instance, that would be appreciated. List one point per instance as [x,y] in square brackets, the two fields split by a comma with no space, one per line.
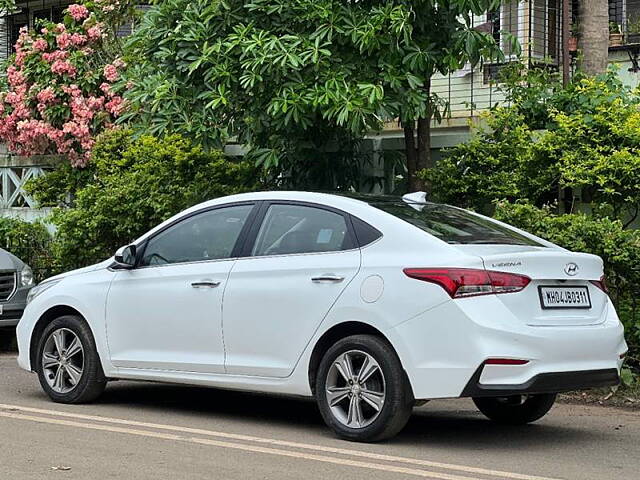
[300,259]
[166,313]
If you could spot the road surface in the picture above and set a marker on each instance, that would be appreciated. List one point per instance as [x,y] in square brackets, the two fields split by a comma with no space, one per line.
[152,431]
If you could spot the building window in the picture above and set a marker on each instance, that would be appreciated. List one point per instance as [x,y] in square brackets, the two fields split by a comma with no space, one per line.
[546,38]
[53,14]
[14,24]
[506,20]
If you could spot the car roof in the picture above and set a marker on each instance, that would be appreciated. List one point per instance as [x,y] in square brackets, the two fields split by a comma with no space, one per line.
[336,199]
[355,204]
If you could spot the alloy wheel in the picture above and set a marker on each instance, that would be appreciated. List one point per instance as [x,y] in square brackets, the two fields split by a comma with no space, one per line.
[63,360]
[355,389]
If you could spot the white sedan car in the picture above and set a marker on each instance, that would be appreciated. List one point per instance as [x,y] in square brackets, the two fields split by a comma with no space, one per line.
[369,305]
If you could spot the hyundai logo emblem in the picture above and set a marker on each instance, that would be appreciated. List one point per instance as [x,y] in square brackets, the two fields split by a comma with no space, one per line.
[571,269]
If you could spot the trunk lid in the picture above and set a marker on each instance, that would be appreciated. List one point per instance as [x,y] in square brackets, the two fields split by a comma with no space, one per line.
[550,270]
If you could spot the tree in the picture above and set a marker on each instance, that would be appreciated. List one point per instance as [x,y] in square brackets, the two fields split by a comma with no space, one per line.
[285,77]
[594,21]
[57,93]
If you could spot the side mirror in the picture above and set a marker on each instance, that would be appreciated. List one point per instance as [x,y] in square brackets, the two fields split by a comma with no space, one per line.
[125,257]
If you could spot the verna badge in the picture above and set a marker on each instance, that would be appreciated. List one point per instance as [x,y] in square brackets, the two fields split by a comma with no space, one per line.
[571,269]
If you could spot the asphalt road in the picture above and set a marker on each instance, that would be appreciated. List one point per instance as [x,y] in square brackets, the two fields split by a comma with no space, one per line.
[152,431]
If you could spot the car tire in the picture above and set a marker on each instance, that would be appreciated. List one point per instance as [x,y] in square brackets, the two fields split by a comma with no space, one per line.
[78,376]
[382,396]
[517,409]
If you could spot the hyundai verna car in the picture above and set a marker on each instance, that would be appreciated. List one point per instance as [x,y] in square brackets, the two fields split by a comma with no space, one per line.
[369,305]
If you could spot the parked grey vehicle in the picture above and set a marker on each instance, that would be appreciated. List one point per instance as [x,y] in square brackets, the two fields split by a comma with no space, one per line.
[16,279]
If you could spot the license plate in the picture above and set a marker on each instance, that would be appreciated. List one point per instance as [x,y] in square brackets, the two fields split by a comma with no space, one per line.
[564,297]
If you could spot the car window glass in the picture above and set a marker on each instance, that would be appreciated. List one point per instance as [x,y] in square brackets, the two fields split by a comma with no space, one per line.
[289,229]
[209,235]
[454,225]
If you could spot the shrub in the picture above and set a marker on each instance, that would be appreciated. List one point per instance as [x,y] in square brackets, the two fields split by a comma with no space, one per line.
[499,162]
[28,241]
[591,144]
[132,184]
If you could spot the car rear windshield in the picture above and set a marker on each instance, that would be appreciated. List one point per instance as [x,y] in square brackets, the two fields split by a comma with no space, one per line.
[453,225]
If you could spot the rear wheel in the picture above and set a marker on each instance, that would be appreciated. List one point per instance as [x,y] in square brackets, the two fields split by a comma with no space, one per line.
[67,363]
[516,409]
[362,390]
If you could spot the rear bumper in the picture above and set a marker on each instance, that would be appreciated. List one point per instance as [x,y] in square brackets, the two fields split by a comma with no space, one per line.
[442,349]
[554,382]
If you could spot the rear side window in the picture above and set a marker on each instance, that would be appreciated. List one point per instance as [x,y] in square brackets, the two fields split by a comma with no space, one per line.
[365,233]
[453,225]
[291,229]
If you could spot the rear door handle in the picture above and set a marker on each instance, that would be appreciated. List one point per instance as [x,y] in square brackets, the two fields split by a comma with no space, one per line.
[327,278]
[205,284]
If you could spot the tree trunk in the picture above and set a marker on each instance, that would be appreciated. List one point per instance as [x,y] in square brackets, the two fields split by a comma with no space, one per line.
[418,157]
[594,38]
[412,155]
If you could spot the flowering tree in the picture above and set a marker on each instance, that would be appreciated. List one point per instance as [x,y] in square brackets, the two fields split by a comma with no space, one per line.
[57,94]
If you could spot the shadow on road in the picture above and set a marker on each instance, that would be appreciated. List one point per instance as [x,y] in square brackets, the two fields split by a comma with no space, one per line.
[448,424]
[8,340]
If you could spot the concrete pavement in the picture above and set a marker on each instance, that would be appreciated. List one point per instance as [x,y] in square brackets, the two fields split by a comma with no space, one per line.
[143,430]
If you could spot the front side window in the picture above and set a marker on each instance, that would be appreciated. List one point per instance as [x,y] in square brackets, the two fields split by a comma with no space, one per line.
[210,235]
[291,229]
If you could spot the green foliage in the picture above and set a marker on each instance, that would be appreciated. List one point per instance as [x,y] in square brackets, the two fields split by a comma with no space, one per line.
[287,78]
[132,185]
[7,6]
[618,247]
[591,144]
[29,241]
[501,161]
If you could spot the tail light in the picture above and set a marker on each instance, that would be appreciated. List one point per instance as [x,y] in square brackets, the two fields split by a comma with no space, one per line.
[505,361]
[469,282]
[601,284]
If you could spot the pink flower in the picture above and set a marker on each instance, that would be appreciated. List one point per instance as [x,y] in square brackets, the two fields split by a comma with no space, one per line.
[72,90]
[21,55]
[94,33]
[115,106]
[62,67]
[46,96]
[78,12]
[110,73]
[40,45]
[63,40]
[54,56]
[15,76]
[59,28]
[106,88]
[78,39]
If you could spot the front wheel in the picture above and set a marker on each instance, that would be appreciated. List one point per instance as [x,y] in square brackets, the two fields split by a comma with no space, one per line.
[68,365]
[516,409]
[362,391]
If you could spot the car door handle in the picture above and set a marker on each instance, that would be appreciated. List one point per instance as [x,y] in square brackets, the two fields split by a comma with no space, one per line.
[327,278]
[205,284]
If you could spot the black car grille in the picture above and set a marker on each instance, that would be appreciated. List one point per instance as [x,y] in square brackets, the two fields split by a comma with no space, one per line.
[7,284]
